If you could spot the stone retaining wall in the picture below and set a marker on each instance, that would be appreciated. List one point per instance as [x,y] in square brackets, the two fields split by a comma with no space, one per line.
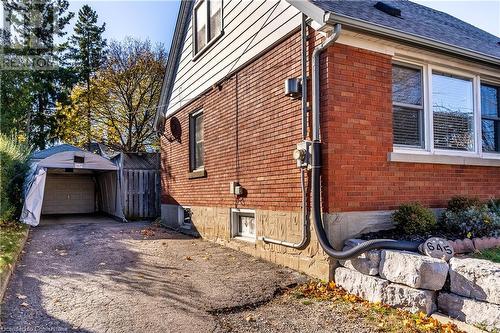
[466,289]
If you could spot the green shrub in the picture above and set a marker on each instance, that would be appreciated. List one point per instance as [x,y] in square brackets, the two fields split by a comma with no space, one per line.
[13,169]
[461,203]
[414,219]
[494,205]
[477,221]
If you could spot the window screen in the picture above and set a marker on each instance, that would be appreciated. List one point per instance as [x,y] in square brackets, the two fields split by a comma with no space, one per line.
[490,118]
[408,111]
[453,112]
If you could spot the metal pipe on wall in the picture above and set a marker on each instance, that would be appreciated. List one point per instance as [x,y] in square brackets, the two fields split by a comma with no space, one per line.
[305,237]
[316,171]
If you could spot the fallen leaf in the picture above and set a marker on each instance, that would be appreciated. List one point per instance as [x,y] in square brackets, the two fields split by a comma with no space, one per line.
[250,318]
[189,258]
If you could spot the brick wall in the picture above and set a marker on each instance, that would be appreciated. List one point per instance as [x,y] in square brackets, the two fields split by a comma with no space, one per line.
[251,128]
[357,136]
[250,131]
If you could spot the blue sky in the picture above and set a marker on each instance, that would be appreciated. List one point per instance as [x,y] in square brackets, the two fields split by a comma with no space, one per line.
[156,19]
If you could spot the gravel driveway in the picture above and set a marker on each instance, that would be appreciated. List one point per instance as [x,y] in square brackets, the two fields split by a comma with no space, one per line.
[114,277]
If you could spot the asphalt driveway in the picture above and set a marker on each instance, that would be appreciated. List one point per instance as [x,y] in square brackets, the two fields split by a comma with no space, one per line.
[114,277]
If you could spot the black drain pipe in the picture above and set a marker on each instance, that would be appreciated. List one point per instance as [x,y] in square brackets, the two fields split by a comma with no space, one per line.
[316,173]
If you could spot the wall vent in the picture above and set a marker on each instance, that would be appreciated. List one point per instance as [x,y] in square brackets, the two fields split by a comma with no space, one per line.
[388,9]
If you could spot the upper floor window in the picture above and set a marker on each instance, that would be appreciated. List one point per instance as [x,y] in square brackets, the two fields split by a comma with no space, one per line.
[207,23]
[196,145]
[490,117]
[444,111]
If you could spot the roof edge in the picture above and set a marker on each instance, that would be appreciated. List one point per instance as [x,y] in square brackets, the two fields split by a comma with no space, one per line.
[374,28]
[327,19]
[183,20]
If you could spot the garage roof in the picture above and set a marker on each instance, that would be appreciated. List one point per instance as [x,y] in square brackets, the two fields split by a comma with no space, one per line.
[40,155]
[77,160]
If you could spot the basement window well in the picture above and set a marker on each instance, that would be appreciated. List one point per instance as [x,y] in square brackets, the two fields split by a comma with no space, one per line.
[243,224]
[184,217]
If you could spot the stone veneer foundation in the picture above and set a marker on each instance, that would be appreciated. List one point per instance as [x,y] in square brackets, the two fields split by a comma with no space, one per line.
[214,224]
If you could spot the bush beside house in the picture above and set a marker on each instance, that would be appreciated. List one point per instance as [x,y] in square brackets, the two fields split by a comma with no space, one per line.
[13,169]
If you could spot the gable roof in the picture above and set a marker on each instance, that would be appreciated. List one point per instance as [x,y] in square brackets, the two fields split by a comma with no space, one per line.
[419,21]
[39,155]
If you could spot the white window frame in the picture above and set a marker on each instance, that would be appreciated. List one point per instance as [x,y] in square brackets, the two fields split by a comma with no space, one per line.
[424,128]
[429,150]
[209,42]
[234,214]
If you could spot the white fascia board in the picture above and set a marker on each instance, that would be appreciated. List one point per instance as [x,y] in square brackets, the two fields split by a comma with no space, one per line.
[315,13]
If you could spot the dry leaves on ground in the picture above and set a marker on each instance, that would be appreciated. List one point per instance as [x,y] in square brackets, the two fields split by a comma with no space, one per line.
[388,319]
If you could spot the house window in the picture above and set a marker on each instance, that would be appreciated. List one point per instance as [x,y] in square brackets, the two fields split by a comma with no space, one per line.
[490,118]
[407,105]
[243,224]
[441,115]
[207,23]
[453,112]
[196,141]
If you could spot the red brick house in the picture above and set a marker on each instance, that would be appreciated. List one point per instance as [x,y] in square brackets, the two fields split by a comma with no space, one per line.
[405,105]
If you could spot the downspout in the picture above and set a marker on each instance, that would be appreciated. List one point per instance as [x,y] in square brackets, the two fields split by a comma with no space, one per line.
[305,214]
[316,172]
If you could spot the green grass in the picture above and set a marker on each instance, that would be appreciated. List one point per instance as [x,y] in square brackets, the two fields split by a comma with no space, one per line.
[11,234]
[490,254]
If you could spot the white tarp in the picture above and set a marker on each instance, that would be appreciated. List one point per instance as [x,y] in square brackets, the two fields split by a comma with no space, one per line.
[107,180]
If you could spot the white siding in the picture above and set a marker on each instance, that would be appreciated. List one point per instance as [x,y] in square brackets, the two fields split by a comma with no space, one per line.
[250,27]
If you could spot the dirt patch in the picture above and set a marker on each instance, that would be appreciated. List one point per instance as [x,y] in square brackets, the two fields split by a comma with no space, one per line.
[287,314]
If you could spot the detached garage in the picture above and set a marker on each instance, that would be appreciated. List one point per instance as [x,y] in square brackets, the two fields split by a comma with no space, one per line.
[72,182]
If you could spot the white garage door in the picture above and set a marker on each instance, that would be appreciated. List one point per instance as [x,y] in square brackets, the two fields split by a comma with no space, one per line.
[69,194]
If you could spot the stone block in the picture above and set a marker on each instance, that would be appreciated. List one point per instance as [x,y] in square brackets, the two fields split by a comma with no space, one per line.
[366,263]
[413,270]
[410,299]
[469,310]
[370,288]
[475,278]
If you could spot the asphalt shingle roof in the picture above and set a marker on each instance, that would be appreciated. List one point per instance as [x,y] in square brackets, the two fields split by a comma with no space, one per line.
[53,150]
[418,20]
